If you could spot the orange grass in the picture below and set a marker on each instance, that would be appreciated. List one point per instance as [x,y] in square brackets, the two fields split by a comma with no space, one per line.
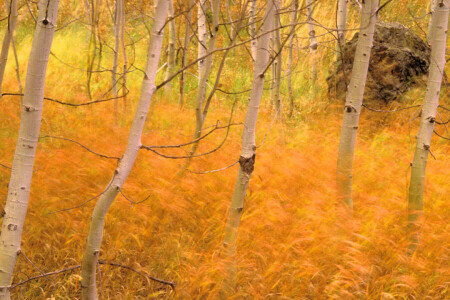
[292,243]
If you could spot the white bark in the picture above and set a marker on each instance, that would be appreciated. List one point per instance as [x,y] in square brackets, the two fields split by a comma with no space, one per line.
[117,29]
[312,41]
[341,25]
[432,6]
[429,109]
[22,168]
[247,158]
[11,8]
[94,240]
[353,102]
[252,21]
[171,47]
[202,33]
[185,51]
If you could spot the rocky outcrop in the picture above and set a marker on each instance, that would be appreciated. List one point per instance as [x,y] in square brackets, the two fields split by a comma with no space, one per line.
[398,58]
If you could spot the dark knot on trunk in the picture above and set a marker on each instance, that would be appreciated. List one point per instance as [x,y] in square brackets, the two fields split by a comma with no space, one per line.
[247,164]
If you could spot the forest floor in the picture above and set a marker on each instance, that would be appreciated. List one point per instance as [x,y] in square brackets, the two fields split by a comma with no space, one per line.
[291,243]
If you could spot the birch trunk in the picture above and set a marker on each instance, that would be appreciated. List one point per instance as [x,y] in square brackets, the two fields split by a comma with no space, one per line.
[252,21]
[202,34]
[294,8]
[353,102]
[117,28]
[124,56]
[171,48]
[204,74]
[22,169]
[11,8]
[429,109]
[312,42]
[341,20]
[185,51]
[94,240]
[247,158]
[432,6]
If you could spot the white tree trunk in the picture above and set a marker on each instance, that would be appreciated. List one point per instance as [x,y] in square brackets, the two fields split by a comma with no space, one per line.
[432,5]
[22,168]
[294,8]
[353,102]
[247,158]
[341,25]
[252,21]
[185,51]
[171,47]
[11,8]
[429,109]
[202,33]
[94,240]
[312,42]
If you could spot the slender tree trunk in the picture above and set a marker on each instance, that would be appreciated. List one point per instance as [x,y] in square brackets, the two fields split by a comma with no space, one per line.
[185,51]
[252,27]
[117,29]
[341,20]
[428,115]
[353,102]
[247,158]
[124,56]
[230,17]
[204,74]
[202,34]
[22,169]
[294,8]
[94,240]
[432,6]
[11,8]
[277,64]
[171,48]
[312,42]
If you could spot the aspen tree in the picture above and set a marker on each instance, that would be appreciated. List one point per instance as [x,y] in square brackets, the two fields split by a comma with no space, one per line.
[429,110]
[204,71]
[171,47]
[95,236]
[277,66]
[22,169]
[252,27]
[202,34]
[341,20]
[247,158]
[11,8]
[294,8]
[185,50]
[432,5]
[312,42]
[124,56]
[353,102]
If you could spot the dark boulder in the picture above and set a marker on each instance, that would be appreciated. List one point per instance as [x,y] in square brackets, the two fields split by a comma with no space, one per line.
[397,59]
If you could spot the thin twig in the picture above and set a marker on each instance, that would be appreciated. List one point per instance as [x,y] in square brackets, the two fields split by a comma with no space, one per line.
[44,275]
[394,110]
[213,171]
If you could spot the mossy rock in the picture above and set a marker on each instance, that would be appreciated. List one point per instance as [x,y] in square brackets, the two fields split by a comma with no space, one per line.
[399,60]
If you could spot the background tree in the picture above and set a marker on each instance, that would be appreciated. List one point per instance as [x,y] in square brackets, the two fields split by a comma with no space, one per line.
[11,9]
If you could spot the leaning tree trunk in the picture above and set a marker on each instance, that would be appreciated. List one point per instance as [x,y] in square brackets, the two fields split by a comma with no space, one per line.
[247,158]
[203,80]
[185,51]
[11,8]
[277,66]
[312,43]
[294,8]
[353,102]
[341,20]
[171,47]
[22,168]
[428,115]
[94,240]
[252,26]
